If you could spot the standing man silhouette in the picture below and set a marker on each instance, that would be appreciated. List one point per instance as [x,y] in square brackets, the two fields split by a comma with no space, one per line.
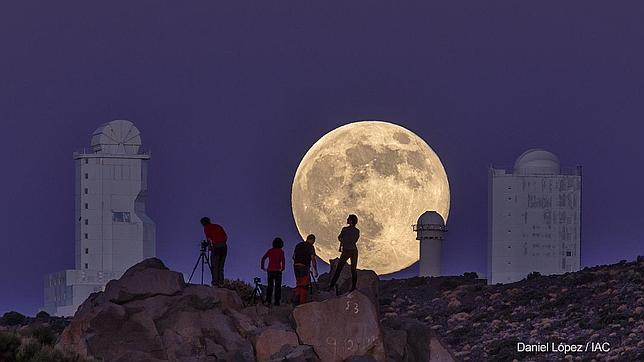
[303,257]
[217,237]
[348,238]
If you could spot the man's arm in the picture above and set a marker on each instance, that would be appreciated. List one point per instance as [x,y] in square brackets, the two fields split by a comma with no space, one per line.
[282,261]
[263,260]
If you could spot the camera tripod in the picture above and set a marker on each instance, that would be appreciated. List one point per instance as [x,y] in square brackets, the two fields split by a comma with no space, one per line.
[313,283]
[257,293]
[204,259]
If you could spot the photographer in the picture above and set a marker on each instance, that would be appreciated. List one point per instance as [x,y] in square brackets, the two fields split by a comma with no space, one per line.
[303,257]
[217,238]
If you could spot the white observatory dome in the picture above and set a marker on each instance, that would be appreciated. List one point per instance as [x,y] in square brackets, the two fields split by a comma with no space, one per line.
[431,225]
[117,137]
[537,161]
[431,218]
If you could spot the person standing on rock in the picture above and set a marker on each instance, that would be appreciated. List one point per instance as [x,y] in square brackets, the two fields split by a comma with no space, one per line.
[276,265]
[303,257]
[348,239]
[217,238]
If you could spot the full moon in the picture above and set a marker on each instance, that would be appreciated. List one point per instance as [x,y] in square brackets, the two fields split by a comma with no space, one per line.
[383,173]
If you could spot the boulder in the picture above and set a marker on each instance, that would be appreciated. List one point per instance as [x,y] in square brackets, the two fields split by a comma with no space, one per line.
[145,279]
[367,358]
[395,344]
[300,353]
[438,351]
[149,314]
[406,340]
[367,281]
[341,327]
[271,341]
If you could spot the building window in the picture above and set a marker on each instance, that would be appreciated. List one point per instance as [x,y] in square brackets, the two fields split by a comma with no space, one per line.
[86,176]
[86,250]
[86,206]
[86,160]
[86,191]
[86,266]
[568,253]
[120,216]
[86,221]
[86,236]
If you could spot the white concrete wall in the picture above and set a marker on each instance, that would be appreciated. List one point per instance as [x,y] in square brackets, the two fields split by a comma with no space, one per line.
[534,225]
[66,290]
[107,185]
[430,258]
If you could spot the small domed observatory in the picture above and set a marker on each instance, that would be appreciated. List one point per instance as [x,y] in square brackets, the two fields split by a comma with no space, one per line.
[430,231]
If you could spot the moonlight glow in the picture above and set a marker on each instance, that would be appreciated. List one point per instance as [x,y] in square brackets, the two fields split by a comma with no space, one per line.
[383,173]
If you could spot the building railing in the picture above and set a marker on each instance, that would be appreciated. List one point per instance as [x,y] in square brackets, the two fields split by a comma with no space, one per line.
[563,171]
[142,152]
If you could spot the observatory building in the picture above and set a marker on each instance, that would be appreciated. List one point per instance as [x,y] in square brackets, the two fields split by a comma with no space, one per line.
[430,231]
[113,231]
[534,218]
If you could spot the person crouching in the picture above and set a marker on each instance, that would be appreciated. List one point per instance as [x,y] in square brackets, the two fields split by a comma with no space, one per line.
[276,265]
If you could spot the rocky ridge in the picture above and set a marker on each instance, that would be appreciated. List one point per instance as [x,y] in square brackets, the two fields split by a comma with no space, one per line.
[482,322]
[151,314]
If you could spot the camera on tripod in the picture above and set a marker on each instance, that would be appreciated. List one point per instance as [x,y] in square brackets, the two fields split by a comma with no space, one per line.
[203,259]
[258,293]
[204,245]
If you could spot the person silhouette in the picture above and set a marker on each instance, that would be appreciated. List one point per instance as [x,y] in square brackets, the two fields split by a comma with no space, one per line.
[276,265]
[349,250]
[303,258]
[217,238]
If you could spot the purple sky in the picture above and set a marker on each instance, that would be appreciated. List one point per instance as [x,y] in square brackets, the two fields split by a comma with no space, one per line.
[230,96]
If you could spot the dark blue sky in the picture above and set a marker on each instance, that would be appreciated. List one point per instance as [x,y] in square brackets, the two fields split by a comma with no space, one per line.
[230,95]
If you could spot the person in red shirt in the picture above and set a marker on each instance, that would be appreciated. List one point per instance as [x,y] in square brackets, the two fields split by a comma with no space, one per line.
[217,238]
[276,265]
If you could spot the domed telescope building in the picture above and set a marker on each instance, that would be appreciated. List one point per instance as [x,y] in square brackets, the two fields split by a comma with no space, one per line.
[534,218]
[113,231]
[430,231]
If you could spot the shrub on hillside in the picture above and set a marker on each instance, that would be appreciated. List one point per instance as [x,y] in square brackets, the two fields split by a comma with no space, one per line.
[534,275]
[9,344]
[12,319]
[471,275]
[43,316]
[14,348]
[448,285]
[44,336]
[244,289]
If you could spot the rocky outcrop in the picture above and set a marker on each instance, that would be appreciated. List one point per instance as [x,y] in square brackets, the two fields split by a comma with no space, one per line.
[273,340]
[367,281]
[479,322]
[150,314]
[340,328]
